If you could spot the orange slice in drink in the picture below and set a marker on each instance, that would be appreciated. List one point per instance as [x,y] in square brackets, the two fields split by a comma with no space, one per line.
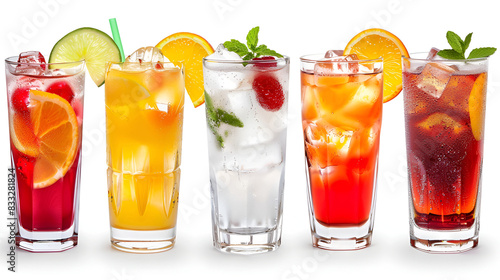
[189,49]
[50,134]
[476,106]
[375,43]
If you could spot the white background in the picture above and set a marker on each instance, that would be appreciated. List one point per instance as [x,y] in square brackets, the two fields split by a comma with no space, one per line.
[293,28]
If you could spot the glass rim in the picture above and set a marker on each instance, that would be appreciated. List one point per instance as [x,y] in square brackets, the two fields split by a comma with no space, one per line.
[323,59]
[439,59]
[13,60]
[174,66]
[278,59]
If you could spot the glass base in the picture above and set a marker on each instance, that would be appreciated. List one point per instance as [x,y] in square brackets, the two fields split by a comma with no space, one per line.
[345,238]
[341,244]
[247,244]
[444,241]
[440,246]
[142,241]
[46,246]
[47,241]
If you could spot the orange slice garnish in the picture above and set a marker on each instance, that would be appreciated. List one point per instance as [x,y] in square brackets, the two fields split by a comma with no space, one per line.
[50,134]
[189,49]
[477,103]
[375,43]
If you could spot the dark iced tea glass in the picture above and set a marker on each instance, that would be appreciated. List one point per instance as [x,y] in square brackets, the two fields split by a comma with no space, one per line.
[444,115]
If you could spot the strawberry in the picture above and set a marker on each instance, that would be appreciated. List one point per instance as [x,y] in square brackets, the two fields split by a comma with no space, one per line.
[62,89]
[20,99]
[269,91]
[265,65]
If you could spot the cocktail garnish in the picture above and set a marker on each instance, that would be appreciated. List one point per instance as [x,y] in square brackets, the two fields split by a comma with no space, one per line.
[251,49]
[459,46]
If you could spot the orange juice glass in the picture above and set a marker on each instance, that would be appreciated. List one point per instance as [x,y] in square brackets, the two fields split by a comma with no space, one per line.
[144,114]
[341,119]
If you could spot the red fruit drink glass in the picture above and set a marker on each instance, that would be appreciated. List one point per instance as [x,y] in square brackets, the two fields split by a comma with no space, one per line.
[444,113]
[45,106]
[341,118]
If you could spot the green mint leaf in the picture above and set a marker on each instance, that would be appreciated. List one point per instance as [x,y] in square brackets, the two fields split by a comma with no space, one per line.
[211,113]
[455,42]
[467,41]
[215,116]
[249,56]
[229,118]
[253,38]
[450,54]
[263,50]
[218,137]
[481,52]
[208,100]
[237,47]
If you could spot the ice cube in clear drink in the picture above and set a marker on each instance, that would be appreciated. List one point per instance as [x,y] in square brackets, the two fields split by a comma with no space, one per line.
[434,78]
[31,63]
[221,53]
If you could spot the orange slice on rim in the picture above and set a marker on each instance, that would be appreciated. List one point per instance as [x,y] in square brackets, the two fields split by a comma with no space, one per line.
[375,43]
[189,49]
[50,134]
[477,104]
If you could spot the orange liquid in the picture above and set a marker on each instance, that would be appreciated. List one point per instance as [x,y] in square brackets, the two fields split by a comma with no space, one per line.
[341,120]
[144,113]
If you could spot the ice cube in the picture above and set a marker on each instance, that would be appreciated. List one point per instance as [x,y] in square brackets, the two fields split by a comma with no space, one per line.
[338,65]
[432,53]
[334,53]
[147,58]
[221,53]
[256,157]
[147,54]
[226,79]
[31,63]
[326,145]
[434,78]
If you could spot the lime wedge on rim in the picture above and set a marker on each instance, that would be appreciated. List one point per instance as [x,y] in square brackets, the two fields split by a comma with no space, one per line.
[93,45]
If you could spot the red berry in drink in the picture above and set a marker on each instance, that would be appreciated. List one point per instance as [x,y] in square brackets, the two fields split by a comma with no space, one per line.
[269,91]
[264,65]
[78,108]
[20,99]
[25,166]
[62,89]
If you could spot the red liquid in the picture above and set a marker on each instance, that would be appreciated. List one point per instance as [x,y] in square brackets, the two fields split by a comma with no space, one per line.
[342,195]
[444,158]
[46,209]
[52,207]
[341,134]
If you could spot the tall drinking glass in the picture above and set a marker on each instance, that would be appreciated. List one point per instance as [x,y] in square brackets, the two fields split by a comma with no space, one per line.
[246,108]
[45,105]
[444,113]
[144,114]
[341,118]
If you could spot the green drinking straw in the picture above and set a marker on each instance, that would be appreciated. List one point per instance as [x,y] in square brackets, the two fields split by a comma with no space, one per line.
[116,36]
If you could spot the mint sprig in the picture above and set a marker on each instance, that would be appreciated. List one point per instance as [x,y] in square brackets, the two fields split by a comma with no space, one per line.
[216,116]
[252,49]
[459,46]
